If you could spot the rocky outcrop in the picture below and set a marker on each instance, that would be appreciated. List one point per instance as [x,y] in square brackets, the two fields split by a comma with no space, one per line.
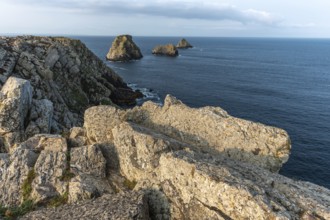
[149,162]
[15,103]
[124,49]
[64,72]
[124,206]
[183,44]
[167,50]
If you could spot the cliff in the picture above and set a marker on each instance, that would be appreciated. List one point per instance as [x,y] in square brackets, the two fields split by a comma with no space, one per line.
[147,162]
[64,72]
[123,48]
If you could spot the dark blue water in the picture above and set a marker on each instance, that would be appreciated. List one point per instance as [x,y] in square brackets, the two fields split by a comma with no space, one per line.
[279,82]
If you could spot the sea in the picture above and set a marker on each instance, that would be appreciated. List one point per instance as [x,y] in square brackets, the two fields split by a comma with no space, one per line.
[278,82]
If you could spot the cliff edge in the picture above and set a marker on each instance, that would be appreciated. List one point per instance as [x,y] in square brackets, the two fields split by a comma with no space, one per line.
[147,162]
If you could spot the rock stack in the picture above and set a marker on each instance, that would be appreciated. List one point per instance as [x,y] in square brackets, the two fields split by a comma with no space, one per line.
[167,50]
[183,44]
[124,49]
[147,162]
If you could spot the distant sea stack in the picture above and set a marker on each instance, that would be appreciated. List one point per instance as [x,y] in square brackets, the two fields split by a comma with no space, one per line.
[183,44]
[167,50]
[124,49]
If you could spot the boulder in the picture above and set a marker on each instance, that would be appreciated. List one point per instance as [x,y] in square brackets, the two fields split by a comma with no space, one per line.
[15,103]
[183,44]
[124,49]
[167,50]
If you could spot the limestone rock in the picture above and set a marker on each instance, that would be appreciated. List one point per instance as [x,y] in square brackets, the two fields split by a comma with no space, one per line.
[183,44]
[124,49]
[168,50]
[139,149]
[77,137]
[99,121]
[214,130]
[82,188]
[15,102]
[40,119]
[232,190]
[14,171]
[124,206]
[88,160]
[47,142]
[64,72]
[49,168]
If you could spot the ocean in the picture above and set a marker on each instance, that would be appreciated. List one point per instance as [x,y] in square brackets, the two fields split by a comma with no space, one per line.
[278,82]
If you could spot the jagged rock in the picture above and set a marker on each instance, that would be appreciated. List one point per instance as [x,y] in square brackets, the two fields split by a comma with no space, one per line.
[124,49]
[50,169]
[168,50]
[66,73]
[82,188]
[183,44]
[215,131]
[77,137]
[99,121]
[47,142]
[122,206]
[232,190]
[15,102]
[40,118]
[88,160]
[13,173]
[139,149]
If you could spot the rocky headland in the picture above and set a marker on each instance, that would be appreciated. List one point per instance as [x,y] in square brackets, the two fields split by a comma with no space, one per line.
[124,49]
[183,44]
[167,50]
[146,162]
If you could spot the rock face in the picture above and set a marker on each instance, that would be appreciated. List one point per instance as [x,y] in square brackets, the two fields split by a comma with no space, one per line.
[183,44]
[64,72]
[167,50]
[124,49]
[125,206]
[149,162]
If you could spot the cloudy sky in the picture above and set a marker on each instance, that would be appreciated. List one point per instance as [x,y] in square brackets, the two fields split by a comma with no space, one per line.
[222,18]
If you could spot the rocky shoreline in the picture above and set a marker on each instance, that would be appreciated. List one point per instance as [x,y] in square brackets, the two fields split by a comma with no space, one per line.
[68,151]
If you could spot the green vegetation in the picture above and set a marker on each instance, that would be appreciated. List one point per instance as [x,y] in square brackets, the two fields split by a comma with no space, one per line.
[59,200]
[129,184]
[67,175]
[16,211]
[27,185]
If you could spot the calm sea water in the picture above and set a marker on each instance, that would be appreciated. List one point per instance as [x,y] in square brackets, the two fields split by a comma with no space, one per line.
[278,82]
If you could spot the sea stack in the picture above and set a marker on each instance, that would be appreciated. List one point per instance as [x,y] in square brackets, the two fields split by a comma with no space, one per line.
[183,44]
[167,50]
[124,49]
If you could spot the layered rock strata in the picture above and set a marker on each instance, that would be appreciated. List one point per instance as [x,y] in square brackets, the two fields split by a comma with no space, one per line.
[149,162]
[65,72]
[123,48]
[167,50]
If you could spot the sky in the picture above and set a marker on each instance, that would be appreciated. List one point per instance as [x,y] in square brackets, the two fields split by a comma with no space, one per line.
[214,18]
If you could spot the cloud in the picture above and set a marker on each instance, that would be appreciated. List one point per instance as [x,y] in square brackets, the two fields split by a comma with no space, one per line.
[189,9]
